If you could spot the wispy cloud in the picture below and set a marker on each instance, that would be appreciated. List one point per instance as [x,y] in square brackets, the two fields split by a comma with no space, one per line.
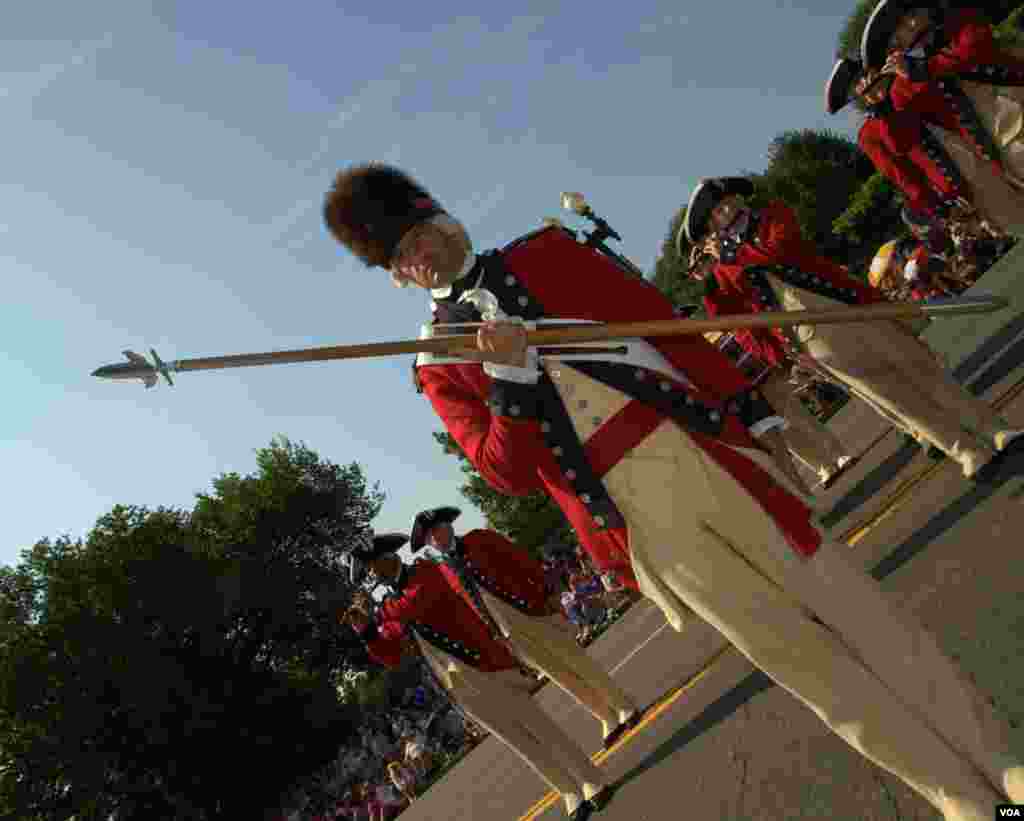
[376,97]
[27,86]
[462,40]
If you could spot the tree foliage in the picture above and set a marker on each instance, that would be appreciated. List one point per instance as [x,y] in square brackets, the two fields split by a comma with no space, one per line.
[872,218]
[816,173]
[182,664]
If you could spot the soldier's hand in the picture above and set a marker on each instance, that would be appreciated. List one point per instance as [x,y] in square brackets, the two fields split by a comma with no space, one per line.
[897,64]
[503,343]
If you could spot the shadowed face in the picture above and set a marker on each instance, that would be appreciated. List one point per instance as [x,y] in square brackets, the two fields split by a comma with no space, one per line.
[725,213]
[385,567]
[911,27]
[441,536]
[430,255]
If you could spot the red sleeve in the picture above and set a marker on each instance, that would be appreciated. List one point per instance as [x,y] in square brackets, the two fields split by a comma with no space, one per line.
[781,236]
[971,44]
[898,169]
[493,541]
[415,600]
[504,450]
[386,647]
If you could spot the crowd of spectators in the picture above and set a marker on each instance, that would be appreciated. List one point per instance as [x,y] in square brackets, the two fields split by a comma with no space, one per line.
[398,754]
[589,600]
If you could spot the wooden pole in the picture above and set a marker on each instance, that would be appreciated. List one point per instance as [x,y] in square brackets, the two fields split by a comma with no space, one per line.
[568,333]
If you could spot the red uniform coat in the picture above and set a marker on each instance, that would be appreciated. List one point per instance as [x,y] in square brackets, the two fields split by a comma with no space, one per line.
[568,280]
[968,51]
[434,604]
[967,46]
[777,241]
[894,143]
[505,570]
[768,346]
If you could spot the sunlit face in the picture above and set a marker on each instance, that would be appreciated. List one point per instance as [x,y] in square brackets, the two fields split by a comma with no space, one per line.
[430,255]
[441,536]
[911,27]
[725,213]
[873,87]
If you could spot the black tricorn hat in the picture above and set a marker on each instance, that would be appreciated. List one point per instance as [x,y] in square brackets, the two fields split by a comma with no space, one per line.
[705,197]
[426,519]
[839,86]
[874,42]
[366,547]
[371,206]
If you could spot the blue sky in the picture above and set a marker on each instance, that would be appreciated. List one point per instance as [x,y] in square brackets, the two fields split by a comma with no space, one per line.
[162,174]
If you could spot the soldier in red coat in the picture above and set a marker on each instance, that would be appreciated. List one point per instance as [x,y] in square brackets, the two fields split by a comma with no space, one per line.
[808,440]
[651,454]
[508,589]
[475,666]
[950,72]
[763,257]
[930,162]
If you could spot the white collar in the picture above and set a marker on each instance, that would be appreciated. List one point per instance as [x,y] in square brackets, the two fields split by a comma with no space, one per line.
[441,293]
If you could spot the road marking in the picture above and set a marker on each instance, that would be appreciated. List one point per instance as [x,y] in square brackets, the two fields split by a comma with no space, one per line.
[652,713]
[892,504]
[638,648]
[851,537]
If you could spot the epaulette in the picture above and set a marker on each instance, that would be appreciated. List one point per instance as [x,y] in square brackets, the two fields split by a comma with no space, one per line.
[536,233]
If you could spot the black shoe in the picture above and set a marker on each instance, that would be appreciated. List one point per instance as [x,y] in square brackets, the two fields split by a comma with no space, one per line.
[634,720]
[831,480]
[602,799]
[582,812]
[609,740]
[989,472]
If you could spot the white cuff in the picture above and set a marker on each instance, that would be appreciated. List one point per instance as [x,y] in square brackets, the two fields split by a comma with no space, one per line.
[767,424]
[528,375]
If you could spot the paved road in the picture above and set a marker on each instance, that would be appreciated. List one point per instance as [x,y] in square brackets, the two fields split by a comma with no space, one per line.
[722,741]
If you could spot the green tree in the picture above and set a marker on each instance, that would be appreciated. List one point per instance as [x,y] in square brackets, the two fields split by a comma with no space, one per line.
[872,218]
[816,173]
[531,521]
[182,664]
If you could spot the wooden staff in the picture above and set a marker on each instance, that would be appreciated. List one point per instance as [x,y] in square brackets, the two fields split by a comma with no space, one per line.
[554,334]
